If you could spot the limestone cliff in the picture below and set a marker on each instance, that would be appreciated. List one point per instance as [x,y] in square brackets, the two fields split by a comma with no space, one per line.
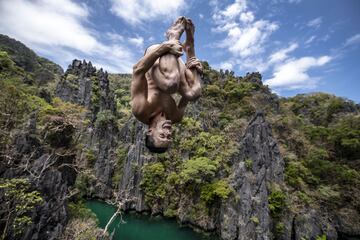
[246,214]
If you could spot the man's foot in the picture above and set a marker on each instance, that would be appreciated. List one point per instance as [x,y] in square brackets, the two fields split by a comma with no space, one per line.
[177,29]
[189,42]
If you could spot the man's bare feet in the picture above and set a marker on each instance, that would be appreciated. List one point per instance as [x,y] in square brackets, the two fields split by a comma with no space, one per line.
[177,29]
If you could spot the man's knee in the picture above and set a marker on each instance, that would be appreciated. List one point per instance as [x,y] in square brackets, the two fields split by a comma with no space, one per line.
[193,94]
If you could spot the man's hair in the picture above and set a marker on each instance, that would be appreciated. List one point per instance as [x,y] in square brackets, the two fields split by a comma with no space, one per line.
[150,144]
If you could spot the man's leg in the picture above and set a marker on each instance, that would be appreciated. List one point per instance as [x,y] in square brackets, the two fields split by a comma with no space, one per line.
[190,83]
[166,73]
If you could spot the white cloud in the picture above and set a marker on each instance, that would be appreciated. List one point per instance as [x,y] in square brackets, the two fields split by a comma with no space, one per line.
[315,23]
[294,74]
[245,36]
[233,10]
[282,54]
[226,65]
[353,40]
[249,39]
[138,11]
[310,40]
[201,16]
[225,27]
[253,64]
[137,41]
[247,17]
[294,1]
[55,22]
[60,25]
[114,36]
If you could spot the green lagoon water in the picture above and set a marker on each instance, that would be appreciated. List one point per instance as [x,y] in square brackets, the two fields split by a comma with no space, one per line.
[142,227]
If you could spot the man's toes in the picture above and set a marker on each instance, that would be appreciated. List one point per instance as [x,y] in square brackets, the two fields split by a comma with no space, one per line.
[179,21]
[189,24]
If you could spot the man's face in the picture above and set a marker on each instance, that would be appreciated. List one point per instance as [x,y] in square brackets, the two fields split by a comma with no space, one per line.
[161,134]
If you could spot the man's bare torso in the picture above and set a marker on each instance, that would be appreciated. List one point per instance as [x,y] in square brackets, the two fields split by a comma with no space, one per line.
[158,99]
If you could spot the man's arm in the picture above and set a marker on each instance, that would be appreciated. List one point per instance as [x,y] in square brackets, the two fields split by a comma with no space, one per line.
[190,82]
[180,110]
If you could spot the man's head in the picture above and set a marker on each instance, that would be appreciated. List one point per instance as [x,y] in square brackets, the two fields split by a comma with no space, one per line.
[158,136]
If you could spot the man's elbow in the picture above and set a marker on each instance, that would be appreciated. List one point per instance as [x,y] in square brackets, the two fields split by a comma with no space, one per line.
[177,118]
[139,114]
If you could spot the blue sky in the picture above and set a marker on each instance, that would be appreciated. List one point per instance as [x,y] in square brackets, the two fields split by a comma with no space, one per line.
[298,45]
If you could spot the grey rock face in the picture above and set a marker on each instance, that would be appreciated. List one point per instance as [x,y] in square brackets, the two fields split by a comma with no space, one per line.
[76,85]
[310,224]
[104,141]
[43,167]
[348,223]
[246,214]
[133,134]
[83,84]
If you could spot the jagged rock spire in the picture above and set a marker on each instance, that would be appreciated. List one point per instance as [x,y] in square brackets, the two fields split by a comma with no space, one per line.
[246,214]
[84,85]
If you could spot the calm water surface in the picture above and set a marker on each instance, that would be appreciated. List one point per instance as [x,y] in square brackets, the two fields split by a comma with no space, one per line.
[141,227]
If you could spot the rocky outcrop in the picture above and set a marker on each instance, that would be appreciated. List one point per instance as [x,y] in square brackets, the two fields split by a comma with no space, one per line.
[48,171]
[104,142]
[84,85]
[132,135]
[348,223]
[76,84]
[245,215]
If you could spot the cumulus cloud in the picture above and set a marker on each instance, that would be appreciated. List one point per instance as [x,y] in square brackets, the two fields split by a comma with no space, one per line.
[294,74]
[60,25]
[137,41]
[282,54]
[245,36]
[248,40]
[54,22]
[138,11]
[247,17]
[226,65]
[233,10]
[315,23]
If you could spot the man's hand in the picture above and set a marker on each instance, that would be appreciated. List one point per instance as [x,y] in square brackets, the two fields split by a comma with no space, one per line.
[174,47]
[193,62]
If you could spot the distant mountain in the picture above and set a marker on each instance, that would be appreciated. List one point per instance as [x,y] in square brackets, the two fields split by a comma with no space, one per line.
[41,68]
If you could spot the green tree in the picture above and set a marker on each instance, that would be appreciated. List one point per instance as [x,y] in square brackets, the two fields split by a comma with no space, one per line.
[19,202]
[197,170]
